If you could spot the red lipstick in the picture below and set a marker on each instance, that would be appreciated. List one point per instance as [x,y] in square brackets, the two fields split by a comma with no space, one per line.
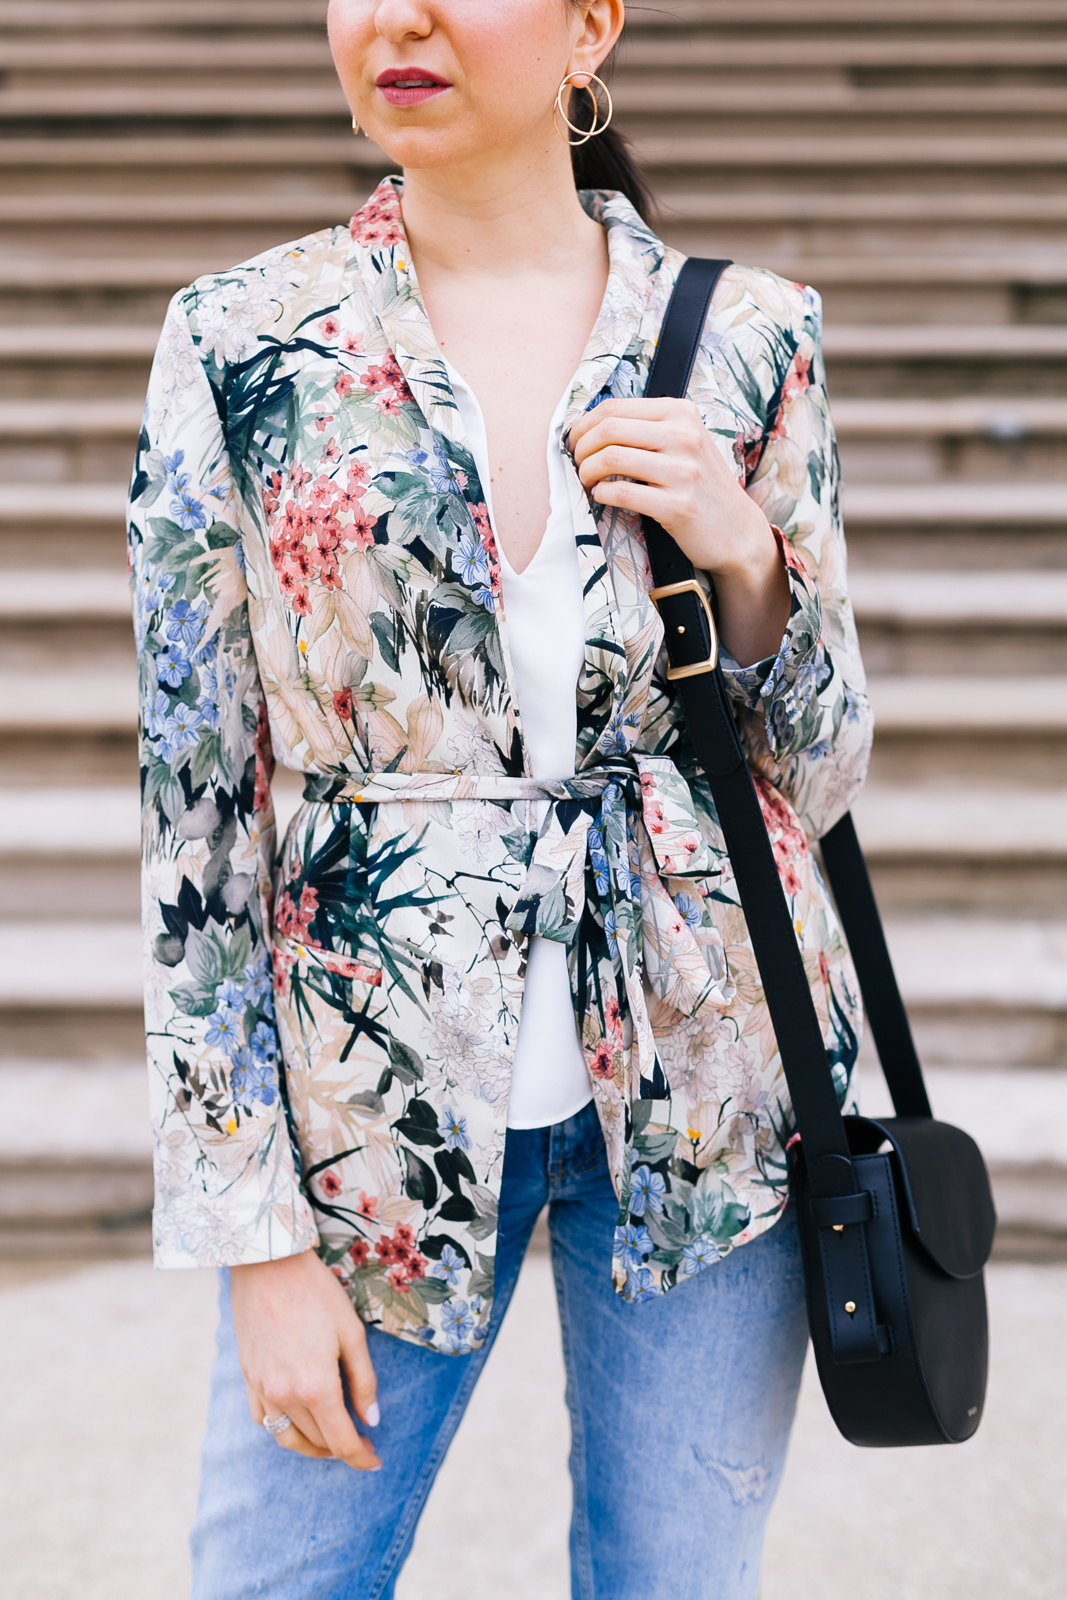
[409,86]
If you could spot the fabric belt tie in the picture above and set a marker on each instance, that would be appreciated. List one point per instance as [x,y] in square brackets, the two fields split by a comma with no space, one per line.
[620,860]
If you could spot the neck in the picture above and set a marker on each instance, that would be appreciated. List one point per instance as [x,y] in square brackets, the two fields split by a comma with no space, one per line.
[501,219]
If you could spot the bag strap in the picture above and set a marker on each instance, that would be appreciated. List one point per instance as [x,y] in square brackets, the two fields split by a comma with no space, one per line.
[694,671]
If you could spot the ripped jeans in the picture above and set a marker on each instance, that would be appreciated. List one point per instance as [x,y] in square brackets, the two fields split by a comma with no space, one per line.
[680,1414]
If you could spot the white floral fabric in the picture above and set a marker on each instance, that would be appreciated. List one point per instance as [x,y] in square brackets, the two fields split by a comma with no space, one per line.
[331,1017]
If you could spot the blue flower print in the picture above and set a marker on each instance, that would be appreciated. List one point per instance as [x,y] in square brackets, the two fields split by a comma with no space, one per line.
[187,512]
[181,729]
[230,996]
[456,1318]
[453,1130]
[224,1030]
[172,666]
[443,475]
[257,980]
[609,929]
[156,713]
[648,1189]
[176,479]
[449,1267]
[470,561]
[185,623]
[640,1285]
[264,1042]
[598,859]
[691,911]
[633,1244]
[252,1081]
[698,1255]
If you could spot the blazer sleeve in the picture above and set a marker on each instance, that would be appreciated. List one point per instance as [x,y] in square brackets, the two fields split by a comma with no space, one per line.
[227,1185]
[804,712]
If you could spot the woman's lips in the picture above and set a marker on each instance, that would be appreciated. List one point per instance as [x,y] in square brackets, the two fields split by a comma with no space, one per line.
[410,87]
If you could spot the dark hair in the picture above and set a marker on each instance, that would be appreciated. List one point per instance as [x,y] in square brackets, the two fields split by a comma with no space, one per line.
[605,161]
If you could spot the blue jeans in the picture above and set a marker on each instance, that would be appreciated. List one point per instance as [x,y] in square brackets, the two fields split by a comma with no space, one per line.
[680,1415]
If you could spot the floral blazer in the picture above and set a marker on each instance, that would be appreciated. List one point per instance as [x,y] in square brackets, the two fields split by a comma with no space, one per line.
[331,1021]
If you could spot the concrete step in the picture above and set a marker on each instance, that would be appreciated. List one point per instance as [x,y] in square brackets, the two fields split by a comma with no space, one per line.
[896,153]
[893,16]
[1035,342]
[43,271]
[316,98]
[75,1141]
[114,342]
[47,701]
[26,504]
[960,599]
[984,989]
[934,824]
[281,209]
[950,502]
[1006,419]
[964,502]
[849,45]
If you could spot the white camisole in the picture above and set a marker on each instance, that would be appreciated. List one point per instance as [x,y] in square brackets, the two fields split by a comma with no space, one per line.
[546,634]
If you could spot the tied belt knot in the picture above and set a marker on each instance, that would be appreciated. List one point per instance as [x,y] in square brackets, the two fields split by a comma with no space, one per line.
[618,871]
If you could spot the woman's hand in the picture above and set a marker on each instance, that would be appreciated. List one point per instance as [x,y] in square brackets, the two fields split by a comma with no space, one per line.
[296,1332]
[656,458]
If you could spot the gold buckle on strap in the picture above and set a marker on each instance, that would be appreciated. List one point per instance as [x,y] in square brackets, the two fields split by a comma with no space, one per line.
[690,586]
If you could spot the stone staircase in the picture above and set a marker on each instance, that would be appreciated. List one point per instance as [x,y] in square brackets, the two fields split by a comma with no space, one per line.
[907,158]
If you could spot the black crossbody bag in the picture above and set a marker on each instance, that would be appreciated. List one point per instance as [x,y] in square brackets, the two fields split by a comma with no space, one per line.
[895,1214]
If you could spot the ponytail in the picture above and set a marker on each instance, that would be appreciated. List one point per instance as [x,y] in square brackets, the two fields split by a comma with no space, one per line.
[605,161]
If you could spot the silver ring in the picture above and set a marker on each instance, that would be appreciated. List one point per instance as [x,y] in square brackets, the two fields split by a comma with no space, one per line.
[277,1425]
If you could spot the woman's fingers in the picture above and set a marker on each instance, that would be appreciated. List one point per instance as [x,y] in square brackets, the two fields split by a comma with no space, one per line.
[641,433]
[646,466]
[643,410]
[359,1372]
[291,1438]
[339,1431]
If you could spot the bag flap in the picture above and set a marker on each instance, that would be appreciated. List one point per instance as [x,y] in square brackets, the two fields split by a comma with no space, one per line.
[946,1186]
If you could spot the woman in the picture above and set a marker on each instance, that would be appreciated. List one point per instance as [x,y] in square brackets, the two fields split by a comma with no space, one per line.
[499,960]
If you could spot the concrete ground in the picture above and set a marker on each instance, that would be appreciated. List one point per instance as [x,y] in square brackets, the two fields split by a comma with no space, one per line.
[103,1379]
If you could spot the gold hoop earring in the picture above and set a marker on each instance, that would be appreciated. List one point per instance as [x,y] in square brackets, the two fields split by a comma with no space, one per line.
[355,125]
[586,133]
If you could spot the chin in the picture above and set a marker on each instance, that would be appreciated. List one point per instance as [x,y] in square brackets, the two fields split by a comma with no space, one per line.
[425,147]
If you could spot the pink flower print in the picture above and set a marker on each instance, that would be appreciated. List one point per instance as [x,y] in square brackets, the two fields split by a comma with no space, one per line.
[359,1251]
[358,473]
[613,1015]
[388,404]
[298,477]
[790,881]
[368,1206]
[375,380]
[301,602]
[342,704]
[322,423]
[330,1184]
[344,385]
[601,1062]
[360,531]
[330,328]
[302,562]
[480,513]
[352,345]
[331,450]
[281,967]
[654,817]
[288,580]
